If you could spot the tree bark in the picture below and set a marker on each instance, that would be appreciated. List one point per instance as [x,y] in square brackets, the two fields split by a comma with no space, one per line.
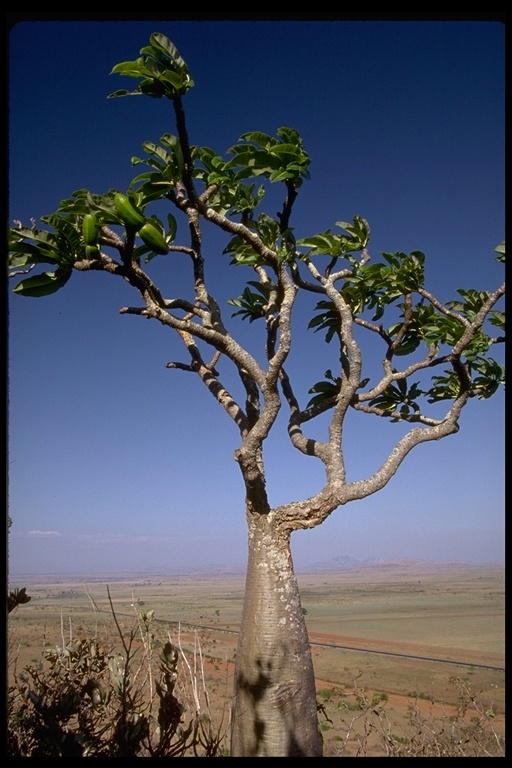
[274,708]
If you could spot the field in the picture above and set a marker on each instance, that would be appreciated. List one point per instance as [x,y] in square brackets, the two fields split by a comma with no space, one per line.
[402,637]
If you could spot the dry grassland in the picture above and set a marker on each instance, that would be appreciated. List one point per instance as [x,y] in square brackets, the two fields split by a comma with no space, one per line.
[396,635]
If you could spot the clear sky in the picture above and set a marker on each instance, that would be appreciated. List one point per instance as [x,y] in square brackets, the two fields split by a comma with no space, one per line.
[116,463]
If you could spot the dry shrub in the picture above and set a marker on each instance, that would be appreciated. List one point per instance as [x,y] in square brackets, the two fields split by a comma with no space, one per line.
[130,698]
[365,728]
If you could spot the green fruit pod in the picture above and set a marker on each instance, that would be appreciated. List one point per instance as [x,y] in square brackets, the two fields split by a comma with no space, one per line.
[90,229]
[127,211]
[153,238]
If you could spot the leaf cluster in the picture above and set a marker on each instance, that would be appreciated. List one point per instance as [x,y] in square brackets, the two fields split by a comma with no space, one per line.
[278,159]
[335,245]
[17,597]
[252,304]
[160,68]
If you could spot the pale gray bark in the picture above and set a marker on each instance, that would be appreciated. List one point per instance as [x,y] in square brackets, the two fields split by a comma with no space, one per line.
[274,706]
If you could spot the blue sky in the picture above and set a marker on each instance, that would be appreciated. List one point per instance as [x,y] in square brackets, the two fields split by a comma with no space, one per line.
[119,464]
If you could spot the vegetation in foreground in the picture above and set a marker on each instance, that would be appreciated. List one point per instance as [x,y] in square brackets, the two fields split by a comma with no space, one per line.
[144,696]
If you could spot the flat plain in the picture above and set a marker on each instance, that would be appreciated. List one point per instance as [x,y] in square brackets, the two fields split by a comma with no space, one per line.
[405,635]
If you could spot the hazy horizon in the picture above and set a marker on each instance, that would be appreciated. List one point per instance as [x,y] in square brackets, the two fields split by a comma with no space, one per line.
[340,562]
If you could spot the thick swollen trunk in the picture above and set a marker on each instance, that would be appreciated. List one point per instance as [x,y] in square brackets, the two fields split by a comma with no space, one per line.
[274,707]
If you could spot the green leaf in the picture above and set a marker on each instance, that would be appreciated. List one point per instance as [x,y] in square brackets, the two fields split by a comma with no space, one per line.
[155,68]
[408,345]
[162,69]
[324,391]
[161,42]
[263,155]
[174,79]
[172,141]
[321,244]
[130,68]
[328,320]
[155,149]
[444,387]
[152,87]
[492,374]
[359,229]
[398,398]
[500,250]
[42,285]
[252,305]
[23,253]
[497,319]
[322,386]
[290,135]
[280,176]
[123,92]
[258,137]
[173,227]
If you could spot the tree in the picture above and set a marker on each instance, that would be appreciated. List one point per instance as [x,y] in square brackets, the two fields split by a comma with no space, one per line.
[433,356]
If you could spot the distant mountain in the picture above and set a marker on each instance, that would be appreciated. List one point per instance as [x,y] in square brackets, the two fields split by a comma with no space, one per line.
[340,563]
